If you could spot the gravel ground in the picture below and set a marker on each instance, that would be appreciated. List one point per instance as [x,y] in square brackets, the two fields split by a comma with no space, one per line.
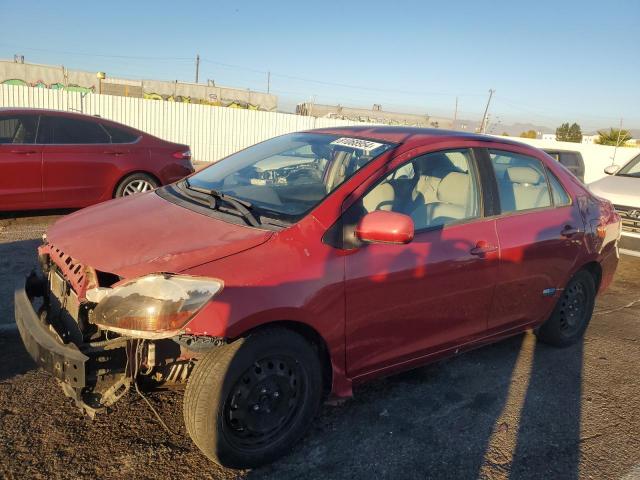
[516,409]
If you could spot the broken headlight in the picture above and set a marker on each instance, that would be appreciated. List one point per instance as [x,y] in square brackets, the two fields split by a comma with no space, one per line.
[154,306]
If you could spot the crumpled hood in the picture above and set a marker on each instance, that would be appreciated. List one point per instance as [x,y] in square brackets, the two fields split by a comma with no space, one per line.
[618,190]
[139,235]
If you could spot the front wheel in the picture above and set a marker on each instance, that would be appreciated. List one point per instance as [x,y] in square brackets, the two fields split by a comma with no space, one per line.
[136,183]
[247,403]
[572,313]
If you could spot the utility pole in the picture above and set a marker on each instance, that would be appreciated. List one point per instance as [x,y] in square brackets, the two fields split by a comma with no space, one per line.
[455,114]
[197,67]
[268,82]
[483,125]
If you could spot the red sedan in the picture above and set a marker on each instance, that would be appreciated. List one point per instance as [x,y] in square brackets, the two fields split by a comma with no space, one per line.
[55,159]
[308,263]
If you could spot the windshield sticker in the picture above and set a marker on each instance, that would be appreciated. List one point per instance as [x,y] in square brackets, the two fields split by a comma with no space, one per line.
[357,143]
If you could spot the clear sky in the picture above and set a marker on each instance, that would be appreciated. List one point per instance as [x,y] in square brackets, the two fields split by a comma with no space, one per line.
[549,61]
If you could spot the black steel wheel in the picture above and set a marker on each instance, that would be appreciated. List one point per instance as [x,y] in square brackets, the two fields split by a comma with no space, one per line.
[264,402]
[572,313]
[247,403]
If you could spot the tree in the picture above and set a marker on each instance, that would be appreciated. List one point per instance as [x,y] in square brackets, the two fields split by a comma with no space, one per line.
[505,134]
[569,133]
[529,134]
[614,136]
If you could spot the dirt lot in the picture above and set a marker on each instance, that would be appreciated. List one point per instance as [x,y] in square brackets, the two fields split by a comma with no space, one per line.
[512,410]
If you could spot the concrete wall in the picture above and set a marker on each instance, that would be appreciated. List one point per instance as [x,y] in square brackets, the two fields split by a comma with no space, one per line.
[60,78]
[377,116]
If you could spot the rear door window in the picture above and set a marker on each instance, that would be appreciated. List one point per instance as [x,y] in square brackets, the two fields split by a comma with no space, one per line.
[63,130]
[522,182]
[18,129]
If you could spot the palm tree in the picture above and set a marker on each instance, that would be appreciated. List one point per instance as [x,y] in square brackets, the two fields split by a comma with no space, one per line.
[615,136]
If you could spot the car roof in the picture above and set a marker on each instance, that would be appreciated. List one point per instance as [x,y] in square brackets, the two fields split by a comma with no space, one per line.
[410,135]
[48,111]
[69,113]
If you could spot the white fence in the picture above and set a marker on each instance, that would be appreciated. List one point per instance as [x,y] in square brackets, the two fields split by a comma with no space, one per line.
[215,132]
[211,132]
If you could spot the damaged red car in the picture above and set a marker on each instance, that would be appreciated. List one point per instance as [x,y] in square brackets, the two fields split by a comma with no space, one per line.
[306,264]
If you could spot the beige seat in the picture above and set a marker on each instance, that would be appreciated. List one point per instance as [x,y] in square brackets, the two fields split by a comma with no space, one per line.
[529,189]
[453,201]
[380,198]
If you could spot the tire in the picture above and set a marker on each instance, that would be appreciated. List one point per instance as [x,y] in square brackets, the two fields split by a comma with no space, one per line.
[135,183]
[248,403]
[572,313]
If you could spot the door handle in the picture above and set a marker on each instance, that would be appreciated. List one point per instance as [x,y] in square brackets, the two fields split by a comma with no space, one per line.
[568,231]
[112,152]
[24,152]
[482,248]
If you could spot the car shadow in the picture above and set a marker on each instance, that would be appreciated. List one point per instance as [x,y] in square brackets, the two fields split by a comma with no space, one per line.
[36,213]
[509,410]
[16,360]
[17,259]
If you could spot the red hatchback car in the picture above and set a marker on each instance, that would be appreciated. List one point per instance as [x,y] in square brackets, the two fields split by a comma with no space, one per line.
[311,262]
[55,159]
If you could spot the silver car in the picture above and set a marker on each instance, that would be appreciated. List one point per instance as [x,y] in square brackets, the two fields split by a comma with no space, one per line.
[622,188]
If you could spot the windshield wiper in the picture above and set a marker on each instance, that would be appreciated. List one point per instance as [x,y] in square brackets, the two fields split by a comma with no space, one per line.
[241,206]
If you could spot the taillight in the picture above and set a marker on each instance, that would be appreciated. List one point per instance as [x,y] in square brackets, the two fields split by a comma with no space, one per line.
[182,155]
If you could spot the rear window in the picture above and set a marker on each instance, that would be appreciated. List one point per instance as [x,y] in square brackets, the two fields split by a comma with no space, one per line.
[569,159]
[119,135]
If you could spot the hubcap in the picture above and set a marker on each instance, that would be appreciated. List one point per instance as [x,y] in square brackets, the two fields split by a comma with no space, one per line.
[263,402]
[136,186]
[573,309]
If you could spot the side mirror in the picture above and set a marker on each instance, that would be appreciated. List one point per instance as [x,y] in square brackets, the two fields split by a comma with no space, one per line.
[612,169]
[385,227]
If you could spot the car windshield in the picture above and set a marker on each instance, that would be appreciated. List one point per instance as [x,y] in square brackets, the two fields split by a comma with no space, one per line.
[631,169]
[287,176]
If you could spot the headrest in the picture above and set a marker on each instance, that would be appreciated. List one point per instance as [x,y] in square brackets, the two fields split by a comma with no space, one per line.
[435,165]
[454,188]
[523,175]
[380,198]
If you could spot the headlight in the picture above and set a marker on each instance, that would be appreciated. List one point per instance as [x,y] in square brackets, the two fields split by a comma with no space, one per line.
[155,306]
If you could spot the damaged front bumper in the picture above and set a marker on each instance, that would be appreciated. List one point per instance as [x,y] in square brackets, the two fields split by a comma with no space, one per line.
[94,376]
[95,367]
[64,361]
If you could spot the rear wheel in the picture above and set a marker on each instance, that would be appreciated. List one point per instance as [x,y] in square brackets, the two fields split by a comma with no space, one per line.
[249,402]
[572,313]
[136,183]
